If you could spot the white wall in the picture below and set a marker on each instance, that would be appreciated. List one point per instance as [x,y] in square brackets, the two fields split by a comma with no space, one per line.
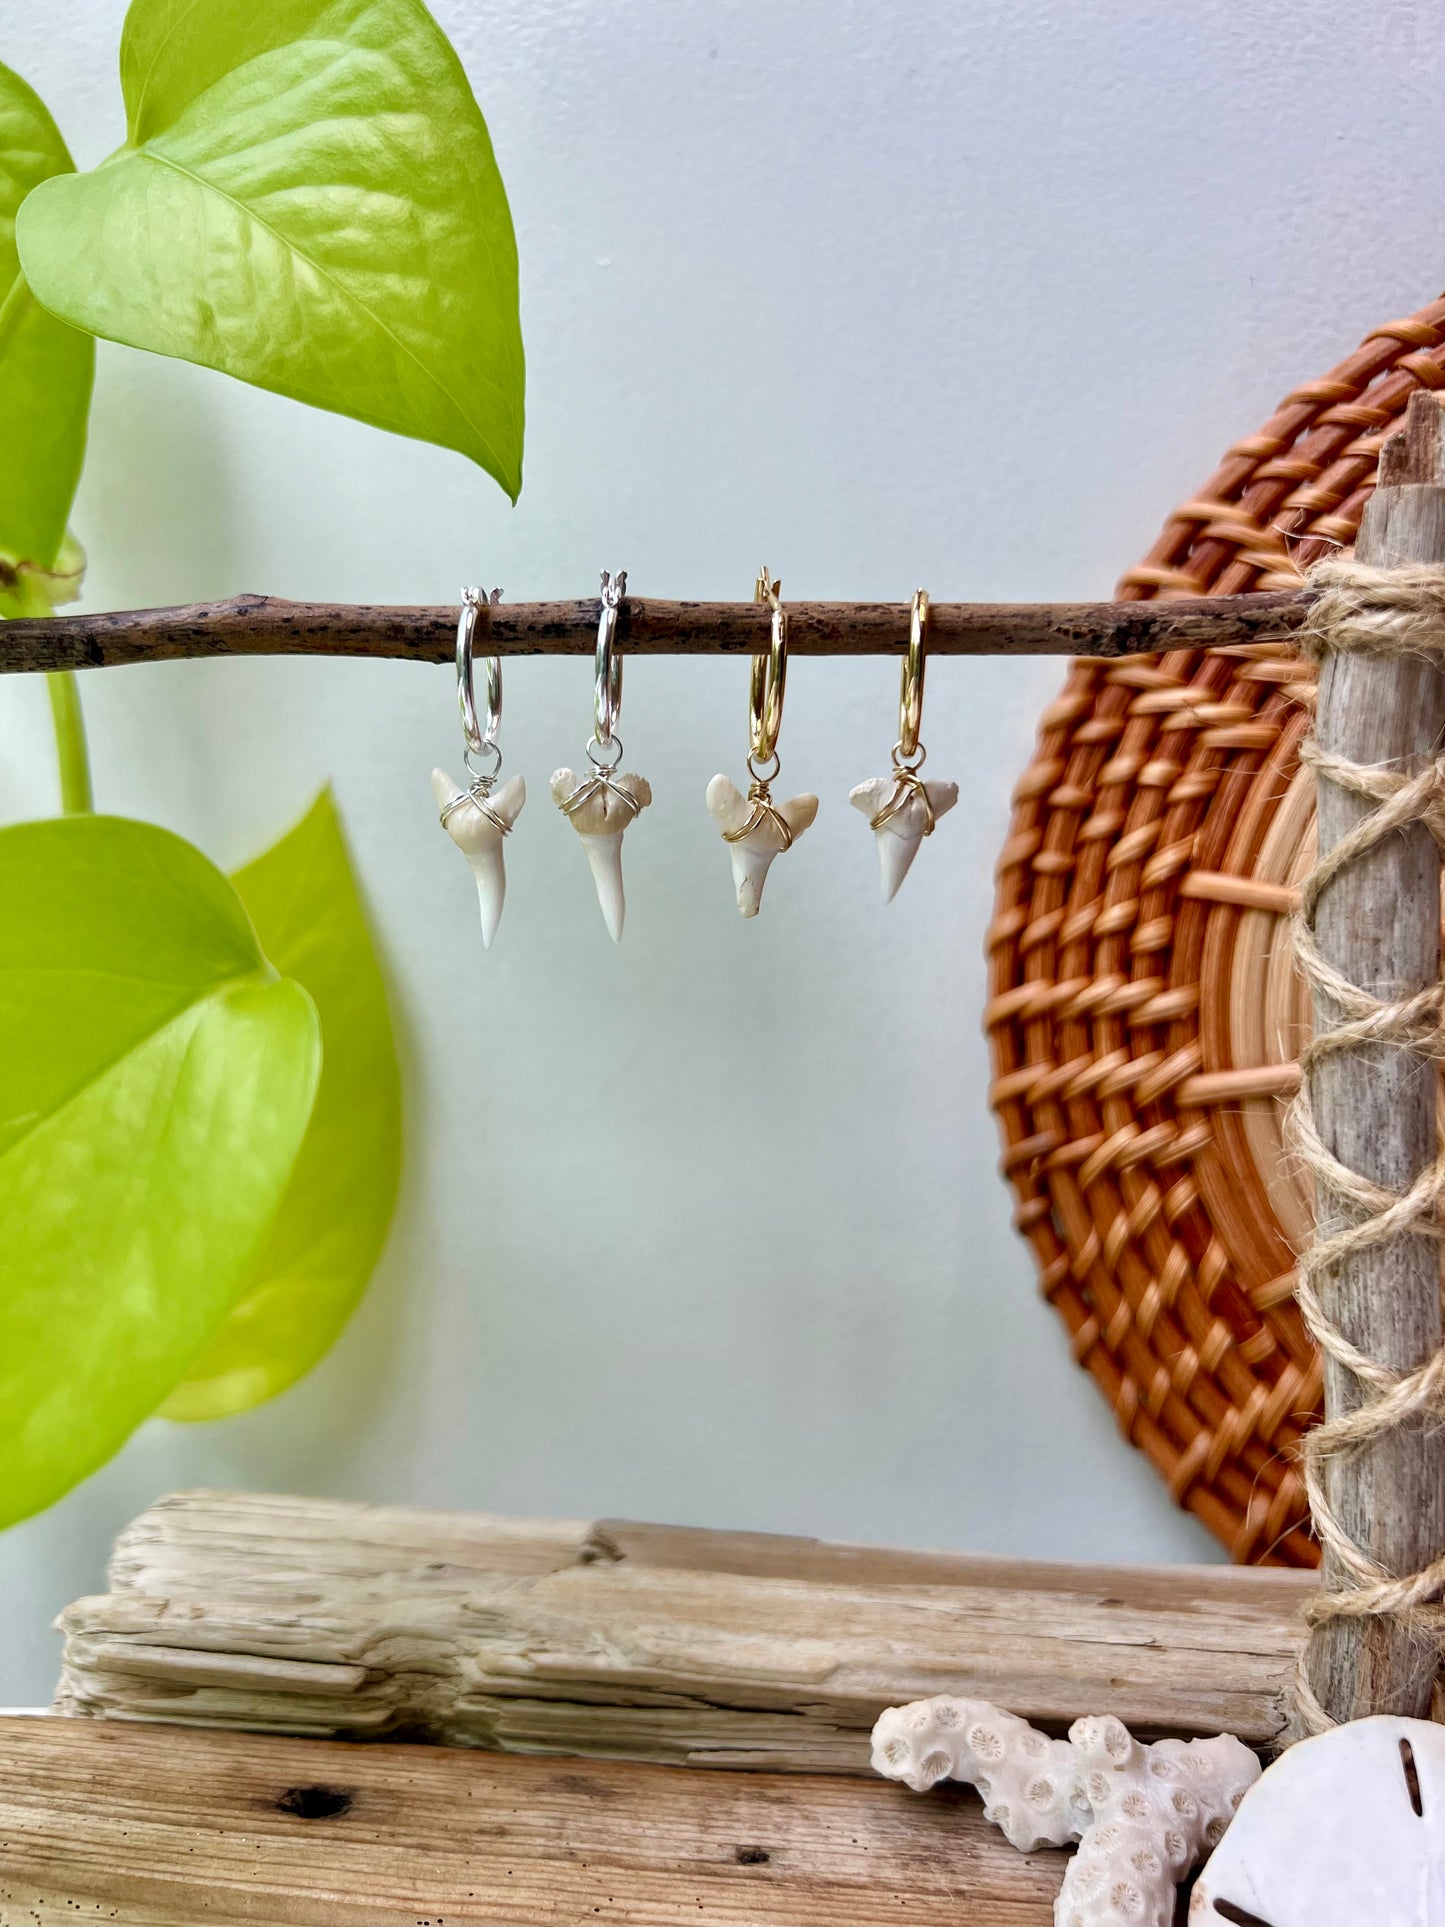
[707,1228]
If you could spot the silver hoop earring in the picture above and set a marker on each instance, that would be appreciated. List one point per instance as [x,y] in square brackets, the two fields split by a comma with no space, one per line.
[600,806]
[754,827]
[478,818]
[902,809]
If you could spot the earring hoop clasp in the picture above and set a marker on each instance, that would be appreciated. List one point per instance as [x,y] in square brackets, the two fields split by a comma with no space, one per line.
[910,688]
[768,680]
[478,741]
[607,684]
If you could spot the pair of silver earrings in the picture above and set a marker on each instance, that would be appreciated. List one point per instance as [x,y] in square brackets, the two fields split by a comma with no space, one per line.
[600,804]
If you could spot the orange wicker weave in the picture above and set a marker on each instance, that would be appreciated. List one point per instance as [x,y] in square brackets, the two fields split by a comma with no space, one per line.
[1144,1017]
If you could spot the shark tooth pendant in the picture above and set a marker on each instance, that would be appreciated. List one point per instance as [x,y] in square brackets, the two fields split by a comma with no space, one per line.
[902,809]
[477,820]
[599,807]
[756,829]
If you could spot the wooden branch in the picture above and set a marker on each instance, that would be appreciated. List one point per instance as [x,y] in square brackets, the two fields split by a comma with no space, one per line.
[1378,923]
[152,1828]
[266,626]
[646,1642]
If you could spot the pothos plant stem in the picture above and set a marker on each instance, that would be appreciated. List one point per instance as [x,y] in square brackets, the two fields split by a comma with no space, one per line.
[76,795]
[71,752]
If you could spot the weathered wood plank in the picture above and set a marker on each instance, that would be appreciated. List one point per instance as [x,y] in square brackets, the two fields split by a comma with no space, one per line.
[188,1540]
[250,625]
[631,1641]
[182,1542]
[143,1827]
[771,1555]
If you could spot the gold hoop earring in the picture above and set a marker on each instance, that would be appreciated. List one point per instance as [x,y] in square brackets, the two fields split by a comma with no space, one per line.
[754,827]
[902,809]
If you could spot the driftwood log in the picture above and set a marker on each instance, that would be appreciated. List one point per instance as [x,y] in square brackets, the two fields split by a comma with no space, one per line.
[152,1828]
[613,1640]
[250,625]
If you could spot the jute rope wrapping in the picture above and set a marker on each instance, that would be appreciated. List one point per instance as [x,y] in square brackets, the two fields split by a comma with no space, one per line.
[1391,613]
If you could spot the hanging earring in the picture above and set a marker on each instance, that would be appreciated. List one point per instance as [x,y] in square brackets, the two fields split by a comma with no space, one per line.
[754,827]
[600,806]
[479,817]
[902,809]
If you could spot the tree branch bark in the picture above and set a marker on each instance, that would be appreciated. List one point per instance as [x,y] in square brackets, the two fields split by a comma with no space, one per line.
[249,625]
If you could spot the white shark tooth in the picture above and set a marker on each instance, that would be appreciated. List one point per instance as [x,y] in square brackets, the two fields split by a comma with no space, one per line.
[903,828]
[599,806]
[604,859]
[756,829]
[477,827]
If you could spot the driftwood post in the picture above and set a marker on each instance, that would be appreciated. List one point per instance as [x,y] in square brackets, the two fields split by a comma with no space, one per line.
[1377,922]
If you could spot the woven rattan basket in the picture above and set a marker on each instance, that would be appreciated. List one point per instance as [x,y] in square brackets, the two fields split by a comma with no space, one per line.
[1144,1017]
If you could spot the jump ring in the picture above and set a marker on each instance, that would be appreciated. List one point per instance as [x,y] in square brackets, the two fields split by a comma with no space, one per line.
[476,737]
[614,744]
[607,680]
[485,777]
[910,689]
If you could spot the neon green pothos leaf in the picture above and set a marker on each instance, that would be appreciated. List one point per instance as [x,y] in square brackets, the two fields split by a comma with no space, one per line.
[156,1077]
[308,200]
[333,1220]
[46,368]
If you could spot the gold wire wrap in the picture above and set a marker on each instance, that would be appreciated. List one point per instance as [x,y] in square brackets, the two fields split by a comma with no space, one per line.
[764,810]
[906,783]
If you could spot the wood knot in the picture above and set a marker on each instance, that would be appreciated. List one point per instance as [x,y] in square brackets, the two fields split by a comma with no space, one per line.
[316,1802]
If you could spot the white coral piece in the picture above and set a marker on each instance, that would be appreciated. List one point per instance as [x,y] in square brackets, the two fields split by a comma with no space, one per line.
[1144,1816]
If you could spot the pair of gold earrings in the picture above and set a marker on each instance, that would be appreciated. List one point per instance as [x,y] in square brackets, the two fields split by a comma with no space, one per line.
[901,809]
[600,804]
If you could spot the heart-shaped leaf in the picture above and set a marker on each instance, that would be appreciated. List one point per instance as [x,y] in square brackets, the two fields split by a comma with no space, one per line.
[46,368]
[308,200]
[332,1224]
[156,1078]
